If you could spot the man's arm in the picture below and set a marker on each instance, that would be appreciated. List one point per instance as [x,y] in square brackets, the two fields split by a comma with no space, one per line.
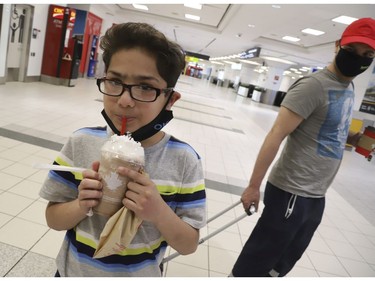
[286,122]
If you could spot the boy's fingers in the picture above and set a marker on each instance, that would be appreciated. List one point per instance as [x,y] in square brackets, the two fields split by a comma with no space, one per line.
[134,175]
[91,174]
[90,184]
[95,166]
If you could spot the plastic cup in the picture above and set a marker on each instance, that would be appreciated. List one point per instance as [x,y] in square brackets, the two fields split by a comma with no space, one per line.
[116,153]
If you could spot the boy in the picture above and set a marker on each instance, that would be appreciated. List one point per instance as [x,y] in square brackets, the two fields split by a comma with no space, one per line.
[142,67]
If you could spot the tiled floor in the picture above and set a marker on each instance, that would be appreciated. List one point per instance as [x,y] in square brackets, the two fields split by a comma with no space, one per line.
[226,129]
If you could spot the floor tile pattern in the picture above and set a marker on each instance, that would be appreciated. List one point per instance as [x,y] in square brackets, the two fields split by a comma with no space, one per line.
[226,129]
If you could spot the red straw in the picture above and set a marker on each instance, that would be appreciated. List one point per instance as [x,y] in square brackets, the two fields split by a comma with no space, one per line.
[123,126]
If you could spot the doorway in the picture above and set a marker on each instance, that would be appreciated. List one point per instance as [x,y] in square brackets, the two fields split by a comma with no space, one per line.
[18,42]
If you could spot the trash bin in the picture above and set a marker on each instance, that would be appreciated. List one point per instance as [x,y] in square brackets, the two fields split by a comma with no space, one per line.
[242,90]
[256,95]
[279,98]
[250,91]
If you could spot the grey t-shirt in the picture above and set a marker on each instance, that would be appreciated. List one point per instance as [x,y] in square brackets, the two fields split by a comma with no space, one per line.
[314,150]
[173,166]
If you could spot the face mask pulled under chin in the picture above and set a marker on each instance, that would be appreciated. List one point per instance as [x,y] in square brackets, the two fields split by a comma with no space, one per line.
[350,64]
[149,129]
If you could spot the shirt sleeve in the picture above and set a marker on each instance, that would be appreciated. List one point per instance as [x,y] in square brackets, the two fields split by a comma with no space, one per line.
[60,186]
[191,199]
[304,96]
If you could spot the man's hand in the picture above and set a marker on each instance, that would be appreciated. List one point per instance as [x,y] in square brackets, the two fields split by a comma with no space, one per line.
[251,195]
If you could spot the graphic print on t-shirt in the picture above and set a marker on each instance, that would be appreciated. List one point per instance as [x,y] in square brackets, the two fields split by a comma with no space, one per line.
[334,130]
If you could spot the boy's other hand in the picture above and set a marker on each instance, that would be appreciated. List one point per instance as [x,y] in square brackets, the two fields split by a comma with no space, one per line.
[142,196]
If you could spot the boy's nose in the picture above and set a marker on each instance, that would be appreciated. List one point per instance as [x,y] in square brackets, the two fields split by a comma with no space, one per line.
[125,99]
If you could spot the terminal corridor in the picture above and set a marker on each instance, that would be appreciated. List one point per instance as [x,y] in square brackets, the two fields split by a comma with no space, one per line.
[226,129]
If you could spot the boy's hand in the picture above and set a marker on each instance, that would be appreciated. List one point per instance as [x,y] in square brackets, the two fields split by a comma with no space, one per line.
[90,188]
[142,196]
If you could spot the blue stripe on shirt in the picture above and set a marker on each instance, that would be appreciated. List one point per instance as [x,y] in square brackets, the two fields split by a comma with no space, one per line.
[96,131]
[55,176]
[175,143]
[85,259]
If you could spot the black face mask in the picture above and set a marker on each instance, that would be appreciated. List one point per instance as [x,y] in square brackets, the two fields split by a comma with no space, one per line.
[149,129]
[350,64]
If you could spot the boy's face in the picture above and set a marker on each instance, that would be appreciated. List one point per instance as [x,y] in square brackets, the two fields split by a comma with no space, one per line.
[133,67]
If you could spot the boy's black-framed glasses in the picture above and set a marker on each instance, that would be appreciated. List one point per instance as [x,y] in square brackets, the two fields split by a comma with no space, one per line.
[143,93]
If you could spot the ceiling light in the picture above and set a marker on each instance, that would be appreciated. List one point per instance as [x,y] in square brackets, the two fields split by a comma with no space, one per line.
[251,25]
[278,60]
[290,38]
[140,7]
[194,6]
[344,19]
[276,6]
[250,62]
[192,17]
[216,62]
[313,31]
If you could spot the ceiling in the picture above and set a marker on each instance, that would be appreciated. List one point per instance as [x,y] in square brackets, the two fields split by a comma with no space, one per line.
[224,28]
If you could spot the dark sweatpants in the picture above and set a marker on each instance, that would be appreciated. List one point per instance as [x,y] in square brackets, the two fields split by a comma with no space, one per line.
[277,243]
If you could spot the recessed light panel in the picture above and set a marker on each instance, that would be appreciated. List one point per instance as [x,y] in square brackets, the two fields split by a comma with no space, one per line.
[313,31]
[290,38]
[194,6]
[140,7]
[250,62]
[192,17]
[278,60]
[344,19]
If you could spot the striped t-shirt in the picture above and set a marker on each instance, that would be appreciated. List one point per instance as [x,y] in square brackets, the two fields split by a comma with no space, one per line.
[171,164]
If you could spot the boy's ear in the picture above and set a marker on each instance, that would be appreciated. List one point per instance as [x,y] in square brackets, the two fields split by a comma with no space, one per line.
[175,97]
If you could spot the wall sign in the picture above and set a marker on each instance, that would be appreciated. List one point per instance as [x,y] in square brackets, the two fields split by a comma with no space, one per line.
[368,102]
[250,53]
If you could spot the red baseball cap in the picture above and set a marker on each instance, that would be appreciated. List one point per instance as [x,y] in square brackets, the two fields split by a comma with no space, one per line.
[360,31]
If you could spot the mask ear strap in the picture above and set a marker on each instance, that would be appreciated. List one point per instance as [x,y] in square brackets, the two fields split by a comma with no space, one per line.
[169,98]
[110,124]
[155,125]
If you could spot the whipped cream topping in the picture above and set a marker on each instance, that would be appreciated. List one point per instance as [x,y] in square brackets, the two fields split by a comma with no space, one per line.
[124,147]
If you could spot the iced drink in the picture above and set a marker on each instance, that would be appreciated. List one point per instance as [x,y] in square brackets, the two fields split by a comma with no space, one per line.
[116,152]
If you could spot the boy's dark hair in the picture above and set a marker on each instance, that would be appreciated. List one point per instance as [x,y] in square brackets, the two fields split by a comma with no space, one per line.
[170,58]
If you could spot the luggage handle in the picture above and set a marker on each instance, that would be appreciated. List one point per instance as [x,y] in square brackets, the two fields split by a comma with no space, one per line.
[248,212]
